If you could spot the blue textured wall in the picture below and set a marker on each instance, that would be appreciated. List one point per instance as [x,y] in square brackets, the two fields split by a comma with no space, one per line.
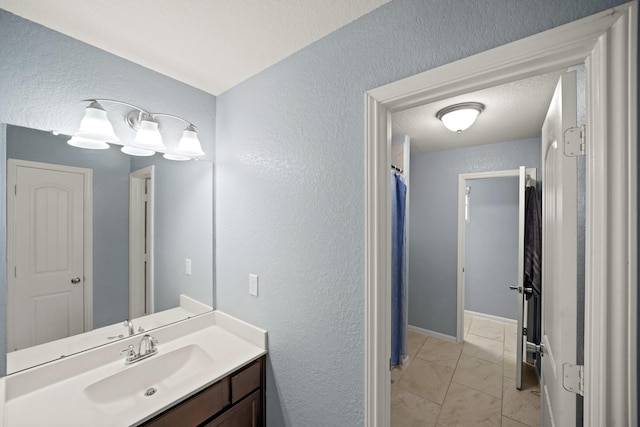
[290,188]
[433,251]
[43,77]
[182,224]
[492,247]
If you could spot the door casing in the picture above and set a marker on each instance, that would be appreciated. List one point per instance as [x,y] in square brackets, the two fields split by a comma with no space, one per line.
[607,44]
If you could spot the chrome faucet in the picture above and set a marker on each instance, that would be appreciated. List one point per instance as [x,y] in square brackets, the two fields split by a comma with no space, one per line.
[129,324]
[147,347]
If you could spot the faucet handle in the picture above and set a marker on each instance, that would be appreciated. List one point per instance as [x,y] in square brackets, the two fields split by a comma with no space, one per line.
[153,343]
[129,351]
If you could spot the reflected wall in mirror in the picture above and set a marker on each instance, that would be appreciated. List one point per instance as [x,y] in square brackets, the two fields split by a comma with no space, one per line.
[96,295]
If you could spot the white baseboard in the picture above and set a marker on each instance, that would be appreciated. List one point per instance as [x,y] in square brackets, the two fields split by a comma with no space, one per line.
[432,333]
[491,317]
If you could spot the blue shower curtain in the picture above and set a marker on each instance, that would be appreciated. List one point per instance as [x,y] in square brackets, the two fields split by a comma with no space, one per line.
[398,279]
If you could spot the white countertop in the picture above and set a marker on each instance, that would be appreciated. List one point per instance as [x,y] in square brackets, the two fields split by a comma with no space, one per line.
[53,394]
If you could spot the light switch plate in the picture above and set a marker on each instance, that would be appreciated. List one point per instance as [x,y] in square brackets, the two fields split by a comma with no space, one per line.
[253,284]
[187,266]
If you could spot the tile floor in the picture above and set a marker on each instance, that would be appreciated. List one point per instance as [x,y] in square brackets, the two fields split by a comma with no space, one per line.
[469,384]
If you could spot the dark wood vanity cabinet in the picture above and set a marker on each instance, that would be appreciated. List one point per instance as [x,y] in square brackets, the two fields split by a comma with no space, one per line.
[235,401]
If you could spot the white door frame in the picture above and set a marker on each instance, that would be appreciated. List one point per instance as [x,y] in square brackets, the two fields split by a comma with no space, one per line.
[462,230]
[607,44]
[137,187]
[12,166]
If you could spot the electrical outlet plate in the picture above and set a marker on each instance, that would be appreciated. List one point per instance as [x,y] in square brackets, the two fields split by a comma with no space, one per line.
[253,284]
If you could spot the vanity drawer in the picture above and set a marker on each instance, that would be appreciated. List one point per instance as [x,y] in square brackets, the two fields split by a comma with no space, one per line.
[246,381]
[196,409]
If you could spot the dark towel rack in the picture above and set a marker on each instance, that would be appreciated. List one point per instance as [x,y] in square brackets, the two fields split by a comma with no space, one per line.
[394,167]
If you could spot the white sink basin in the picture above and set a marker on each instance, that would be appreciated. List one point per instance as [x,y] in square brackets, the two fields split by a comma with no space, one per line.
[159,372]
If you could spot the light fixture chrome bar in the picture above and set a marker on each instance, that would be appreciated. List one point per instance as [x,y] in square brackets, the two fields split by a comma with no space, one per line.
[148,138]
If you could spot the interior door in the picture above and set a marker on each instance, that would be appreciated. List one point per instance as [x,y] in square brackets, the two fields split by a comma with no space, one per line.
[522,182]
[46,295]
[559,254]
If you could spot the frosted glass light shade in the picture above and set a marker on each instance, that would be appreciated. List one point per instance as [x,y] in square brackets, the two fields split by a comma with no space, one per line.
[95,125]
[176,157]
[189,144]
[133,151]
[91,144]
[460,117]
[148,136]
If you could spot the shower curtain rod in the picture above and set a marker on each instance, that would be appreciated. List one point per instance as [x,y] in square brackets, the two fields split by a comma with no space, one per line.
[396,168]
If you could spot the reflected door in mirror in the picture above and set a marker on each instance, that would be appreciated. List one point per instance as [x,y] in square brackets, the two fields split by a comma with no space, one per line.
[47,223]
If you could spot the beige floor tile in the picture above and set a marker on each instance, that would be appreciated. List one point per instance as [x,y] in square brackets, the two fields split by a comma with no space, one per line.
[426,379]
[415,340]
[487,328]
[530,378]
[409,410]
[510,328]
[509,365]
[467,322]
[396,374]
[508,422]
[521,405]
[483,348]
[442,352]
[464,406]
[510,339]
[479,375]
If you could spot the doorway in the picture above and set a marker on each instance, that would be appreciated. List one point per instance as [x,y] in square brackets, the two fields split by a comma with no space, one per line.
[141,236]
[606,41]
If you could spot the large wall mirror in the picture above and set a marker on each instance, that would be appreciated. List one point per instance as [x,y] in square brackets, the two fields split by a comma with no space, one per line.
[142,249]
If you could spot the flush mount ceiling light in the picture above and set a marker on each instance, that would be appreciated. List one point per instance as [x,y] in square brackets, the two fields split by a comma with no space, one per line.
[96,130]
[460,117]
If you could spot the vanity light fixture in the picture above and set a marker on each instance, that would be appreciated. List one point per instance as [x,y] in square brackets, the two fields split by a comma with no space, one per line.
[460,117]
[96,131]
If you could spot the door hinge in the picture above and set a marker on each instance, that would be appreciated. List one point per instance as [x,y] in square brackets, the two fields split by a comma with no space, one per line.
[524,331]
[573,378]
[575,141]
[535,348]
[390,367]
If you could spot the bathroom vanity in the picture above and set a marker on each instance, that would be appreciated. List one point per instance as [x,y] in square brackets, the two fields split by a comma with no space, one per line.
[209,370]
[236,400]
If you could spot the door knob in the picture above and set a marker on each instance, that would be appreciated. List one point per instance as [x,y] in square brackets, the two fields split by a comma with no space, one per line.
[513,287]
[75,280]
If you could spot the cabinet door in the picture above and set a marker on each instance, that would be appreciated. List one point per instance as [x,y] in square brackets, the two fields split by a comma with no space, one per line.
[245,414]
[196,409]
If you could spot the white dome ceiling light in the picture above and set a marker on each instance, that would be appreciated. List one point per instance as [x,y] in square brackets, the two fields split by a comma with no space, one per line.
[460,117]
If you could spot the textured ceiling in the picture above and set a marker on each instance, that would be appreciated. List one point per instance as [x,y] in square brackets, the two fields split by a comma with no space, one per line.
[209,44]
[512,111]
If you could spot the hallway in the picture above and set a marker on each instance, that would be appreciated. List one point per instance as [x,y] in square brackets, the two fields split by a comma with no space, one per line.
[470,384]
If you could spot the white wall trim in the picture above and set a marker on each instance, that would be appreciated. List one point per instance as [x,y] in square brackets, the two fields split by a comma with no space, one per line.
[611,254]
[491,317]
[611,222]
[435,334]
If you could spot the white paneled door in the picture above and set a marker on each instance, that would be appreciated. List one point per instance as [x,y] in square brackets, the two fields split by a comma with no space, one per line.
[46,292]
[559,255]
